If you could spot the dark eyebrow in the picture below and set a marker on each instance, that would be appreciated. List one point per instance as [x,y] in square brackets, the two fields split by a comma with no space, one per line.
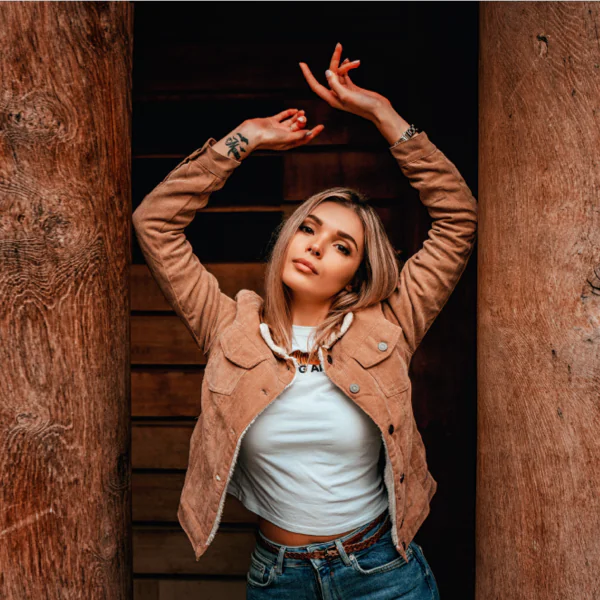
[340,233]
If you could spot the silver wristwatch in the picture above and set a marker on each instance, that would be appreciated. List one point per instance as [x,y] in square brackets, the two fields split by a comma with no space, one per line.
[412,130]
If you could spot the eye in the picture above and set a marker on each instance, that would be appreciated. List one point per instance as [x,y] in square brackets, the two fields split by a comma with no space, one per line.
[343,250]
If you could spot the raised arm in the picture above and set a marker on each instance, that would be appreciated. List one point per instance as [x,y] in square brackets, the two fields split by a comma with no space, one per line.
[428,277]
[161,218]
[159,223]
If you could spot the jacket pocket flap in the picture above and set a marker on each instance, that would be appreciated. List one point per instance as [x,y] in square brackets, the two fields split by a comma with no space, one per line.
[239,349]
[378,344]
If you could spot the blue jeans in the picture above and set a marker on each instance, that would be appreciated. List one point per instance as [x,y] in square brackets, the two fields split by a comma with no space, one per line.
[378,571]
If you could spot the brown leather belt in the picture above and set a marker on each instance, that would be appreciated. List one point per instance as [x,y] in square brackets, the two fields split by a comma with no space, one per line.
[350,545]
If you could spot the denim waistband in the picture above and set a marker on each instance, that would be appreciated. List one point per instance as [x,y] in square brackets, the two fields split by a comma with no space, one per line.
[323,545]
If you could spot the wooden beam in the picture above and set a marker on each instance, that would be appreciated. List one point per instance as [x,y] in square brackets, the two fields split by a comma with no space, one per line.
[538,468]
[64,258]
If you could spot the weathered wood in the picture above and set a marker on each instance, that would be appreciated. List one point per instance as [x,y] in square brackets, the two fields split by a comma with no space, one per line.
[226,588]
[167,550]
[538,470]
[64,277]
[307,173]
[156,498]
[166,392]
[163,340]
[232,277]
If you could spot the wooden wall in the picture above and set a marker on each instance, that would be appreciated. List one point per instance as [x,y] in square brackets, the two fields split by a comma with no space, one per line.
[197,76]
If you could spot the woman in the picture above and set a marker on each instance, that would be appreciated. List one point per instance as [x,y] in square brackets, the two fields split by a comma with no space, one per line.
[335,468]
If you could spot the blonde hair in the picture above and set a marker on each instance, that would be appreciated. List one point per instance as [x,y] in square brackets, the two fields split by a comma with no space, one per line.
[375,279]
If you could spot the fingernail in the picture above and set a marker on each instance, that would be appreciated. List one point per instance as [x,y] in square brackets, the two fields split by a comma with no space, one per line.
[328,73]
[302,119]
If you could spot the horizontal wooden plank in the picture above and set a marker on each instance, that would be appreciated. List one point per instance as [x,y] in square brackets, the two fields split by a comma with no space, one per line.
[156,498]
[165,392]
[227,588]
[232,277]
[160,444]
[376,174]
[163,340]
[222,237]
[167,550]
[257,181]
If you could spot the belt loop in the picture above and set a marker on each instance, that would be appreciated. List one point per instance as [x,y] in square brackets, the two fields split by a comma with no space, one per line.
[280,557]
[342,551]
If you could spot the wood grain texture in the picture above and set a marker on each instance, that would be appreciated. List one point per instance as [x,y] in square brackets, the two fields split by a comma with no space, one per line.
[538,469]
[65,200]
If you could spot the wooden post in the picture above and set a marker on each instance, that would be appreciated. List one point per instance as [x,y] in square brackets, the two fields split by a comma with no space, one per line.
[538,473]
[65,226]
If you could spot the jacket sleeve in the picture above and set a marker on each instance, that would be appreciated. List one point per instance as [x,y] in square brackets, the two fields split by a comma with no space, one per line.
[428,277]
[159,223]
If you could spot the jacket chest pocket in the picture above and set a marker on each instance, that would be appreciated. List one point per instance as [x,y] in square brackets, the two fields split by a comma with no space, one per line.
[381,359]
[233,357]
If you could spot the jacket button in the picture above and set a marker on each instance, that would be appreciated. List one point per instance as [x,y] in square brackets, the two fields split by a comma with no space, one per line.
[391,429]
[329,359]
[382,346]
[354,387]
[218,478]
[401,477]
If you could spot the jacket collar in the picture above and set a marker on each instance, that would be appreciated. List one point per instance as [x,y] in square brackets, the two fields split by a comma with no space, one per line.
[248,341]
[335,335]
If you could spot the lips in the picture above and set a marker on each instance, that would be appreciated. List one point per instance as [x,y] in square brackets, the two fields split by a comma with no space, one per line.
[306,263]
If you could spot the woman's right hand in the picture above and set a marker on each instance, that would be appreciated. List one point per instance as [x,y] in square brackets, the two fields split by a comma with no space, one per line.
[283,131]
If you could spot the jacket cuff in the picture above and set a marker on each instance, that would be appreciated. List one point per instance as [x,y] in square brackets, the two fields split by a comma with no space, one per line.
[418,146]
[215,162]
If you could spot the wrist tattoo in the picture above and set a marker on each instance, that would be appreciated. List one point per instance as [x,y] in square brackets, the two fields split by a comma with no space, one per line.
[235,145]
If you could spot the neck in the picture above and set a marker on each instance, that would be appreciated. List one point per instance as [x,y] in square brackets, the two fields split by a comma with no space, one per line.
[309,315]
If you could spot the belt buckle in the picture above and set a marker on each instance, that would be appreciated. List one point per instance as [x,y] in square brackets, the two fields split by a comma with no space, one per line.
[331,552]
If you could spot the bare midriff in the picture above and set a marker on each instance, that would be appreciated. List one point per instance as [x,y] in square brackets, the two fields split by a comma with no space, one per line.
[290,538]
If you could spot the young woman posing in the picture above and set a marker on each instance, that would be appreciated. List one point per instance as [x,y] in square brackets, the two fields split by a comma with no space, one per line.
[306,400]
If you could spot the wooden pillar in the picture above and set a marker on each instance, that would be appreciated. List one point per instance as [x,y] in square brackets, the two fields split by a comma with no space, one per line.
[538,472]
[65,207]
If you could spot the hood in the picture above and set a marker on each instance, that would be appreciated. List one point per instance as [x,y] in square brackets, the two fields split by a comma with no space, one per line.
[265,331]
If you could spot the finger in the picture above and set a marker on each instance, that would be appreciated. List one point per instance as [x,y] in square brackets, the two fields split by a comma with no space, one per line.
[298,124]
[314,132]
[349,82]
[308,136]
[317,88]
[335,84]
[284,114]
[348,66]
[335,58]
[294,119]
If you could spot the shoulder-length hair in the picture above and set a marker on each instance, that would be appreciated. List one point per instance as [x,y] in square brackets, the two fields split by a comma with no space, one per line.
[375,279]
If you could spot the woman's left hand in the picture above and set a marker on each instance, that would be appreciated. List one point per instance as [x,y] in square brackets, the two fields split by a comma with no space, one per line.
[344,94]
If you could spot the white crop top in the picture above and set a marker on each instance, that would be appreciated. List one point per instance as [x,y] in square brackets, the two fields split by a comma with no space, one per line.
[309,462]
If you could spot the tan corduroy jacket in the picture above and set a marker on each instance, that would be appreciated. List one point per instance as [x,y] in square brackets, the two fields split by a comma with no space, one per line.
[367,358]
